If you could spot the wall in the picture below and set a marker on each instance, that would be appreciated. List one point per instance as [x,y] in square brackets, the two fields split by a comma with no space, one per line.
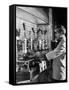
[31,17]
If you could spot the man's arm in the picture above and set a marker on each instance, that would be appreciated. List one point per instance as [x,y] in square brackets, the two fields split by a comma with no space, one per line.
[58,51]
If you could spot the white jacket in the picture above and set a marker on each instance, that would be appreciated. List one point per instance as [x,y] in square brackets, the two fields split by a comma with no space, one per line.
[59,63]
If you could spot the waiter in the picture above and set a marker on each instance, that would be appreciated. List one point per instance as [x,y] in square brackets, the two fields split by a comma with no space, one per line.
[59,56]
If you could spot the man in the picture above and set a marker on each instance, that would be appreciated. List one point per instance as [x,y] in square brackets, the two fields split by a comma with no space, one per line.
[59,56]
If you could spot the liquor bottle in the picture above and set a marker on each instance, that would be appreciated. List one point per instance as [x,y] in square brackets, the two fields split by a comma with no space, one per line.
[25,43]
[43,44]
[39,43]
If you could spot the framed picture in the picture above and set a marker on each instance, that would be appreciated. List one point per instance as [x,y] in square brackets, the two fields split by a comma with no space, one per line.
[37,44]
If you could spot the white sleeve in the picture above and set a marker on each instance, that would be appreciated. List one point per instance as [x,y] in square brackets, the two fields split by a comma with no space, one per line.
[51,55]
[58,51]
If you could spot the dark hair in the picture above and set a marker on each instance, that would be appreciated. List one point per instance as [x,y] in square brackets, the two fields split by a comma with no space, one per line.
[60,30]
